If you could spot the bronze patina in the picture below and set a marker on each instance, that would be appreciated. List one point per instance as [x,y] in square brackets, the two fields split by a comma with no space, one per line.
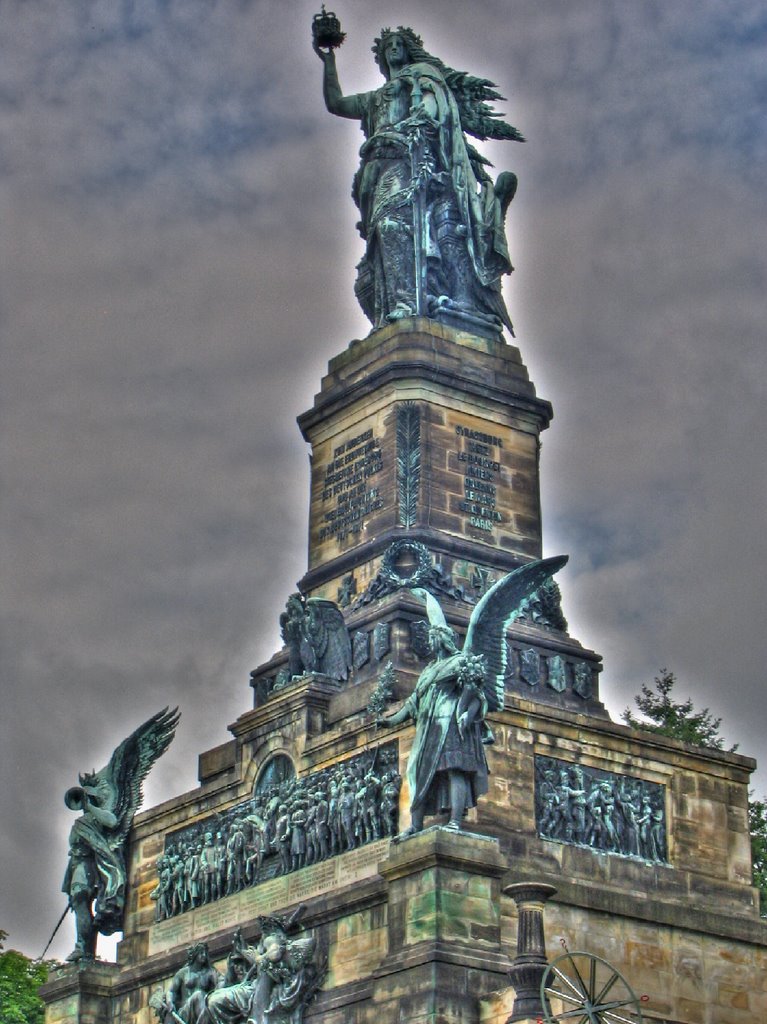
[431,216]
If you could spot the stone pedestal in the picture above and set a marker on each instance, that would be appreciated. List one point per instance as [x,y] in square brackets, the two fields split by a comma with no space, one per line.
[81,994]
[423,429]
[443,893]
[425,445]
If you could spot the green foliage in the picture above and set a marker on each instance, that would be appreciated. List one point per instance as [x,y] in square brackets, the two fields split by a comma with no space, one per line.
[757,826]
[383,694]
[20,978]
[677,719]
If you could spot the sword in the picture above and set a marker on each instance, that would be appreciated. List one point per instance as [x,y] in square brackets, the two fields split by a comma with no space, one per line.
[416,154]
[53,933]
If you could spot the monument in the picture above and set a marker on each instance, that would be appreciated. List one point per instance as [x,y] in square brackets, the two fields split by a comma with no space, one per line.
[427,813]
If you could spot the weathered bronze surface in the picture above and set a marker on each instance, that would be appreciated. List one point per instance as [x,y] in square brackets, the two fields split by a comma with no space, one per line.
[316,636]
[425,486]
[614,813]
[108,800]
[530,962]
[447,768]
[287,825]
[271,982]
[185,999]
[431,216]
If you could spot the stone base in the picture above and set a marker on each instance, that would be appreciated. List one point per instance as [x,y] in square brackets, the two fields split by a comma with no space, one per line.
[80,994]
[444,939]
[476,485]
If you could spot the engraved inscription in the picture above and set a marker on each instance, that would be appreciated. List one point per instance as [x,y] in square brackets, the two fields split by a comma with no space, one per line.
[265,898]
[166,934]
[362,863]
[479,459]
[215,916]
[347,486]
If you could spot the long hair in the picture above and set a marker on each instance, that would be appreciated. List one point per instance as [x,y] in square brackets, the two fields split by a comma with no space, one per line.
[413,45]
[199,947]
[445,636]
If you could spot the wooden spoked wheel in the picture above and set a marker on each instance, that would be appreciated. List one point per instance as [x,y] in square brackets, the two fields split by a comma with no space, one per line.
[580,988]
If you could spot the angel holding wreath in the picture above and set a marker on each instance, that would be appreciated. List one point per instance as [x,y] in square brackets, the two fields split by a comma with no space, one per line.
[447,768]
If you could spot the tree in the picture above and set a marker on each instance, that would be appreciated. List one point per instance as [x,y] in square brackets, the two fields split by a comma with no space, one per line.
[757,824]
[680,721]
[20,978]
[674,718]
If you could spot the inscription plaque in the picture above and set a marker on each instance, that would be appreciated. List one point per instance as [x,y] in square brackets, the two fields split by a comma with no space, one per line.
[478,457]
[215,916]
[270,896]
[266,897]
[176,931]
[347,486]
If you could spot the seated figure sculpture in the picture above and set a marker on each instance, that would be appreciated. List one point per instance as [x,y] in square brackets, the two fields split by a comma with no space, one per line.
[268,983]
[191,984]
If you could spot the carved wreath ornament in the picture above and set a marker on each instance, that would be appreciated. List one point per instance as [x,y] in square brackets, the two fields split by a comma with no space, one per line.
[425,573]
[423,567]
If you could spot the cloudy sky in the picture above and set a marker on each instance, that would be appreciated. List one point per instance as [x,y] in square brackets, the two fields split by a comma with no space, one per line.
[176,267]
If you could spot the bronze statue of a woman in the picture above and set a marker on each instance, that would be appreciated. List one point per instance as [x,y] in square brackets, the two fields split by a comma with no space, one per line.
[431,216]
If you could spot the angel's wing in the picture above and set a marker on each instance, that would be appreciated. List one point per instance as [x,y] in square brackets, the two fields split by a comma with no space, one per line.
[315,628]
[486,634]
[130,763]
[333,647]
[474,97]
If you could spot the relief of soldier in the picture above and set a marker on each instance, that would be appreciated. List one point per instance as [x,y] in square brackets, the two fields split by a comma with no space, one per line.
[286,826]
[606,812]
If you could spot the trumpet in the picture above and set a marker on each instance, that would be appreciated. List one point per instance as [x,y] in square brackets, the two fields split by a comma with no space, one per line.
[76,797]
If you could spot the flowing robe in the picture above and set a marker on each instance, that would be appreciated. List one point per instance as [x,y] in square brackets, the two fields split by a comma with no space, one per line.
[274,996]
[98,870]
[438,747]
[462,236]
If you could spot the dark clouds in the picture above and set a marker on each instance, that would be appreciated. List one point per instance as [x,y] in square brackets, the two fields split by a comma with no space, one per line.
[176,267]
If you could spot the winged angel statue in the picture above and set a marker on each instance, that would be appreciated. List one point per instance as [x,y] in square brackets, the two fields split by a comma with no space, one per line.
[431,216]
[108,800]
[316,636]
[447,769]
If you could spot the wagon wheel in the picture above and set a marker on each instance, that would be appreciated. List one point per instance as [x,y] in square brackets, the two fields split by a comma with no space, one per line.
[581,988]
